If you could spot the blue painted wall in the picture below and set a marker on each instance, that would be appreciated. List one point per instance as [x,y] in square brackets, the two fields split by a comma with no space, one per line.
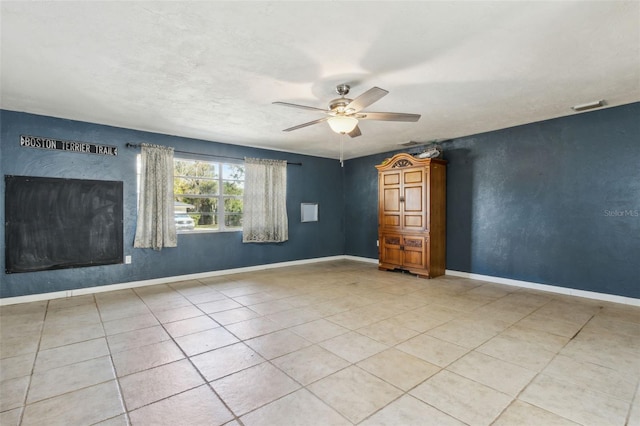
[555,202]
[317,180]
[361,205]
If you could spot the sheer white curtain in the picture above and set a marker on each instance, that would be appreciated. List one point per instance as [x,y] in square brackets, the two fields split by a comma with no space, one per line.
[265,201]
[156,227]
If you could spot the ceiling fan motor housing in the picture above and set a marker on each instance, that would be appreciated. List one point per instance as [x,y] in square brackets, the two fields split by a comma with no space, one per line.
[339,105]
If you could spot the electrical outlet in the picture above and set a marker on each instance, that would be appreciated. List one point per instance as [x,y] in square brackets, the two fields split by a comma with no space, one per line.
[127,260]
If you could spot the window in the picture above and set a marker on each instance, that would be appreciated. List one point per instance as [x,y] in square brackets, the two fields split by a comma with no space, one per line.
[208,193]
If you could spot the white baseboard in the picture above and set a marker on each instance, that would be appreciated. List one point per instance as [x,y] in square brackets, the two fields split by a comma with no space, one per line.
[165,280]
[550,288]
[360,259]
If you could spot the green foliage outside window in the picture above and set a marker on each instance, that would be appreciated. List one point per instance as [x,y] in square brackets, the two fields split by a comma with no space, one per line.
[197,184]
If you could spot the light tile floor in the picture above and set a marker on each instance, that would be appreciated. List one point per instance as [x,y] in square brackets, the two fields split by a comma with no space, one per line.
[331,343]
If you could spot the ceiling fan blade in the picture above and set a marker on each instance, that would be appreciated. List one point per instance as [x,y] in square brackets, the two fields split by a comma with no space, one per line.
[310,123]
[300,106]
[389,116]
[367,98]
[355,132]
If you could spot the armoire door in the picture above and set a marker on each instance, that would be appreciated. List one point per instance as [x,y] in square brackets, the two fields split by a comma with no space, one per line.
[391,249]
[414,251]
[390,209]
[413,200]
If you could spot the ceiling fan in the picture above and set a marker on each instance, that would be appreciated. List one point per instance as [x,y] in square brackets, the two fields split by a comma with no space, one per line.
[343,113]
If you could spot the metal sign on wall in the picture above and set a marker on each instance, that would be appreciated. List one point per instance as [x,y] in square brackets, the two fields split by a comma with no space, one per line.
[71,146]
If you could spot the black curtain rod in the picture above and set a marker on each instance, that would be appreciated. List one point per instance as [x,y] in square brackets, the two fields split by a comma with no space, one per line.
[133,145]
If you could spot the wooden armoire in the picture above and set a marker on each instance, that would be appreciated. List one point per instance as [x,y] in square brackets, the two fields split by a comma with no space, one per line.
[412,215]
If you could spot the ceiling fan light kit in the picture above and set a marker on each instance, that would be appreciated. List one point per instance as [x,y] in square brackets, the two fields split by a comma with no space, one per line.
[342,124]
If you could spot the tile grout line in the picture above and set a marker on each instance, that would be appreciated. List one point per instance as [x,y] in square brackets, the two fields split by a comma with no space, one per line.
[631,405]
[541,371]
[33,367]
[187,357]
[113,367]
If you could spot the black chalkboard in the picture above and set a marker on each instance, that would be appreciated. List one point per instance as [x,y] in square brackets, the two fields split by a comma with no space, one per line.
[53,223]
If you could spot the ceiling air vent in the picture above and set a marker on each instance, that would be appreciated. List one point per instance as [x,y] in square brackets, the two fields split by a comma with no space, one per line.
[412,143]
[590,105]
[429,142]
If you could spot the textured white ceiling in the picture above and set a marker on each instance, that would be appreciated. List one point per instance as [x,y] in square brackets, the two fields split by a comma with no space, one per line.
[210,70]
